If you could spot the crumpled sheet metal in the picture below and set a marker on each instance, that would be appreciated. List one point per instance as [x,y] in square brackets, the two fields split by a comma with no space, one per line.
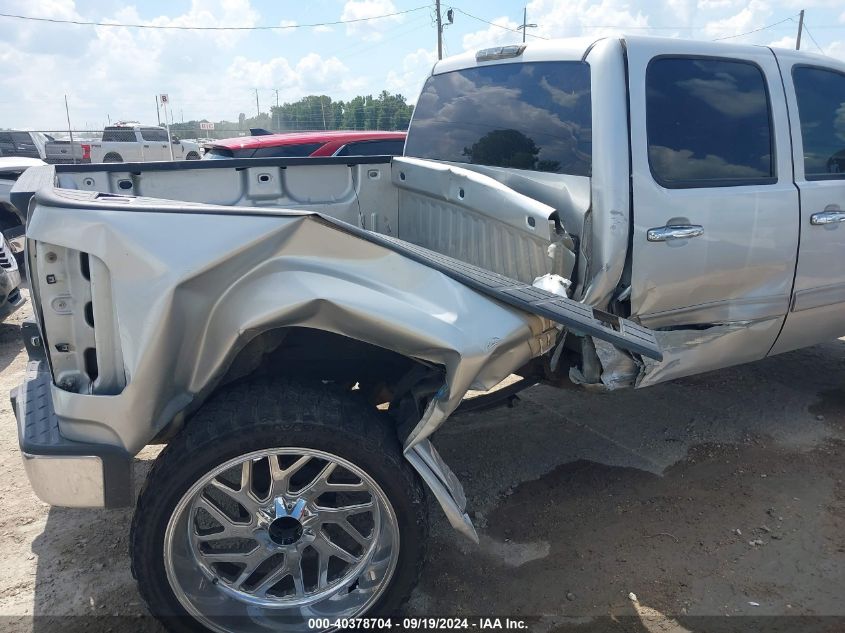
[187,308]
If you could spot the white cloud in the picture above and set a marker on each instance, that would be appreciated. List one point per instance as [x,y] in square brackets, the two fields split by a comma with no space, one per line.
[753,16]
[371,30]
[493,35]
[416,67]
[323,28]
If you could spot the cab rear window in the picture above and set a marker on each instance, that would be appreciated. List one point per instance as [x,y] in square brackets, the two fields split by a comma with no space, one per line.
[532,115]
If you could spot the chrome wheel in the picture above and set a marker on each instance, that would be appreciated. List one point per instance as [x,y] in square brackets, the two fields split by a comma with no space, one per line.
[272,538]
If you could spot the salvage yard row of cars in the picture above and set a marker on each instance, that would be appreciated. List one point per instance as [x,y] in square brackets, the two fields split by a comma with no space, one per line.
[612,213]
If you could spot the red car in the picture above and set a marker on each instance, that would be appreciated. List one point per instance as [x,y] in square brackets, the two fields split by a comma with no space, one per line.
[291,144]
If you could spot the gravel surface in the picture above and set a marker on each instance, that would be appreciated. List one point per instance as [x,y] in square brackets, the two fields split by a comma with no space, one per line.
[652,510]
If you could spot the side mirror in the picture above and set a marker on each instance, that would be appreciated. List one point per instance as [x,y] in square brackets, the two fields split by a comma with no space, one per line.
[174,139]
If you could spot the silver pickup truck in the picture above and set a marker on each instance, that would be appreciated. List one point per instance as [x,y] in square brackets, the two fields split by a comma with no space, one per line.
[609,213]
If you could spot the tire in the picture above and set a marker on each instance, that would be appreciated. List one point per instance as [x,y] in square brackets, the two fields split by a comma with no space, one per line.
[112,157]
[249,419]
[192,156]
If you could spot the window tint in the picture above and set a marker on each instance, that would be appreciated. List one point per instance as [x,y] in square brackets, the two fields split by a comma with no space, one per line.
[373,148]
[154,134]
[821,109]
[119,135]
[533,115]
[21,137]
[708,123]
[281,151]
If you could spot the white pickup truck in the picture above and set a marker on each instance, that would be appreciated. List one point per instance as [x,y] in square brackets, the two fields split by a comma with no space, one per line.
[125,143]
[611,213]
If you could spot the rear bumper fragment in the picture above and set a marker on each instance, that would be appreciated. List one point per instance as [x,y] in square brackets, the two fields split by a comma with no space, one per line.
[63,472]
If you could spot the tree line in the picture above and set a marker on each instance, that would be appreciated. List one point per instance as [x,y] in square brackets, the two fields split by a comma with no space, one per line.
[315,112]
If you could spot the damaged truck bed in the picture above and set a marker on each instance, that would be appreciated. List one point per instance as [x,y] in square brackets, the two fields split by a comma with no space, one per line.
[296,330]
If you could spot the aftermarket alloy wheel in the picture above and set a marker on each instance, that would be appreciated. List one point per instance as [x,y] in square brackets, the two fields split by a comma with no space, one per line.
[313,514]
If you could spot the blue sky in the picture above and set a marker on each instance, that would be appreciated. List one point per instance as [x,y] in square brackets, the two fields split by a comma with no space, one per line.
[116,72]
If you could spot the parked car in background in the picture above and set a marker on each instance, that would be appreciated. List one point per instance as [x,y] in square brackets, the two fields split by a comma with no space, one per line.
[67,152]
[10,281]
[301,144]
[24,144]
[133,142]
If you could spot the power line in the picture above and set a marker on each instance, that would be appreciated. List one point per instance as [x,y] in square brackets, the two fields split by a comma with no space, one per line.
[813,39]
[762,28]
[506,28]
[211,28]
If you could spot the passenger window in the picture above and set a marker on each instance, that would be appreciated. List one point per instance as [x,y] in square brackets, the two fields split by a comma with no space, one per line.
[821,109]
[708,123]
[390,147]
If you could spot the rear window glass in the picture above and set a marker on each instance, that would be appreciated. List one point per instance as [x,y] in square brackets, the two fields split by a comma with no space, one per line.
[821,109]
[708,123]
[154,134]
[533,115]
[373,148]
[119,135]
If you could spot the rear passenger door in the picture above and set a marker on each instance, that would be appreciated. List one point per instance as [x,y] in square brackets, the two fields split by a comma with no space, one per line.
[816,100]
[715,209]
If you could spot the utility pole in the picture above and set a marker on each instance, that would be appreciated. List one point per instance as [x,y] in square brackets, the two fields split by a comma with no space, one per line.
[257,108]
[525,26]
[439,31]
[70,131]
[276,120]
[800,28]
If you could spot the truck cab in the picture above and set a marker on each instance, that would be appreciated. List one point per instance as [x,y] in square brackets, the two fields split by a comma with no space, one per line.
[703,181]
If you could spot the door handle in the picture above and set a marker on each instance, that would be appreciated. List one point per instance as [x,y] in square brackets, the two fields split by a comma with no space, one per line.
[827,217]
[674,232]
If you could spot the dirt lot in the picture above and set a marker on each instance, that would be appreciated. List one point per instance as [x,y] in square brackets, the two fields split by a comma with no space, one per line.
[718,495]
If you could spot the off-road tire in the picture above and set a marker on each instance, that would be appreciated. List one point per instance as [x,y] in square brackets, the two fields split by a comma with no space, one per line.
[265,414]
[112,157]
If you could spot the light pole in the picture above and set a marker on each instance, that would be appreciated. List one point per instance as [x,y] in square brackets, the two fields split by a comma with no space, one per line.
[525,26]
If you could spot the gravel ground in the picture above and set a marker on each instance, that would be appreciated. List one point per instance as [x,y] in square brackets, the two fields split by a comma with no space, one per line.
[717,495]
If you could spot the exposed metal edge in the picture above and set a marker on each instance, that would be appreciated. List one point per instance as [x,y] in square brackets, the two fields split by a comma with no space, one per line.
[221,163]
[456,515]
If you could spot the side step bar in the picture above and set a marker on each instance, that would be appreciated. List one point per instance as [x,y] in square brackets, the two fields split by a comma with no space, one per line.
[577,317]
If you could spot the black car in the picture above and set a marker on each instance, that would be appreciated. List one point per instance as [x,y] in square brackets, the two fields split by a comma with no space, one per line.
[14,143]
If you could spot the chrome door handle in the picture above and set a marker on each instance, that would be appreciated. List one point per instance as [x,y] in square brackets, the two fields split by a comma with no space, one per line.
[674,232]
[827,217]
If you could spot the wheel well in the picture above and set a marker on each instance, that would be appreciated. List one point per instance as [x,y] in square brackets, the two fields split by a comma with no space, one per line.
[317,355]
[380,376]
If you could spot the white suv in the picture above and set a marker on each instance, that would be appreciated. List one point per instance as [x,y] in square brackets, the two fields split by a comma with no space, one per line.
[137,143]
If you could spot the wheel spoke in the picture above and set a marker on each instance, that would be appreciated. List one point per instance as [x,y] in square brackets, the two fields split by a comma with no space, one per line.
[332,515]
[252,561]
[281,476]
[352,531]
[320,483]
[231,529]
[325,546]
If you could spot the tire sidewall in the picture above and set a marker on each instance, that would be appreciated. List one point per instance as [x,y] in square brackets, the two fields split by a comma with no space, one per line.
[404,493]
